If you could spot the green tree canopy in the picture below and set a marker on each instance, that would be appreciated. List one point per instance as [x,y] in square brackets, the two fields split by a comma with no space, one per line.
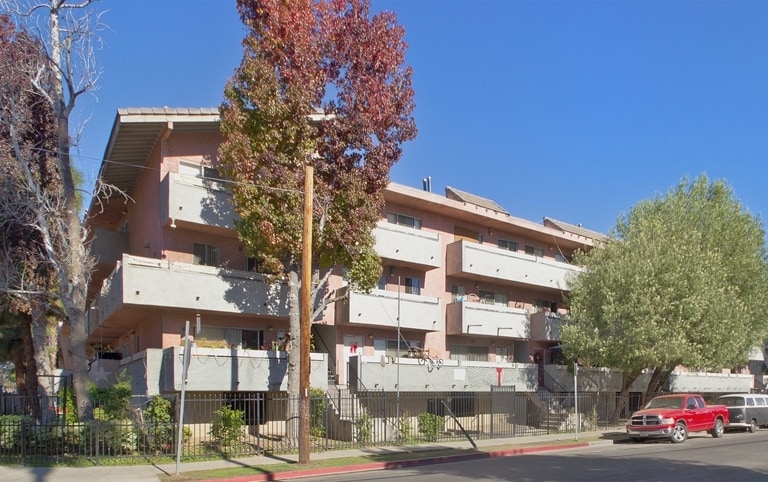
[682,280]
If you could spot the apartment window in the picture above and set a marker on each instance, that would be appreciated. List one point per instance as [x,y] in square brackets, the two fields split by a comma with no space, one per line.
[382,283]
[205,255]
[534,251]
[412,286]
[403,220]
[470,235]
[233,337]
[392,348]
[469,353]
[508,245]
[544,305]
[457,293]
[491,298]
[212,173]
[251,339]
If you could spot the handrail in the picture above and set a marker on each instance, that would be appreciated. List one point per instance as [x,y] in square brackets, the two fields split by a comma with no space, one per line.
[550,381]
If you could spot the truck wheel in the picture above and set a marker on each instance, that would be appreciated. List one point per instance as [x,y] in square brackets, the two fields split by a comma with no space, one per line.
[717,431]
[752,426]
[679,433]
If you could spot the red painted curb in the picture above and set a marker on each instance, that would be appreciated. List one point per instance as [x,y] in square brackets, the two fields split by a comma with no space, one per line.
[295,474]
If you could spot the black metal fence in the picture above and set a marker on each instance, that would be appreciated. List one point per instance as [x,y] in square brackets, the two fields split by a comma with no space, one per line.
[241,424]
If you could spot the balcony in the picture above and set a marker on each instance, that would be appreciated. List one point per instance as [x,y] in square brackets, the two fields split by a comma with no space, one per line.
[380,308]
[477,261]
[217,369]
[596,379]
[545,326]
[138,283]
[473,318]
[202,202]
[408,245]
[381,373]
[108,246]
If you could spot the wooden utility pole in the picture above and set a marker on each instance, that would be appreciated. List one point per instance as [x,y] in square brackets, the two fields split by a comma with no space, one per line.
[305,317]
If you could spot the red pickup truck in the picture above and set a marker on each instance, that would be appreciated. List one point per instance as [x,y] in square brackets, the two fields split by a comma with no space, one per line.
[675,416]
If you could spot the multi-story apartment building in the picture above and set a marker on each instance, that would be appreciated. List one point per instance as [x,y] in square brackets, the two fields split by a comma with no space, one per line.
[479,289]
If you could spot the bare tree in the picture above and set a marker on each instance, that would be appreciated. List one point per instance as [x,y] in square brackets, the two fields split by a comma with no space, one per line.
[66,33]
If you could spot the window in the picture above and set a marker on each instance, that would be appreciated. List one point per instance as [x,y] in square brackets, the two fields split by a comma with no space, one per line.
[544,305]
[491,298]
[252,339]
[457,293]
[508,245]
[212,173]
[534,251]
[403,220]
[205,255]
[471,235]
[392,349]
[412,286]
[233,337]
[469,353]
[382,284]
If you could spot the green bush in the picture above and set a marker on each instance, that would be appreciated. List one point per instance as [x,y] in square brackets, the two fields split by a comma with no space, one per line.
[11,429]
[112,436]
[318,406]
[67,398]
[227,426]
[430,425]
[406,430]
[158,424]
[114,401]
[364,428]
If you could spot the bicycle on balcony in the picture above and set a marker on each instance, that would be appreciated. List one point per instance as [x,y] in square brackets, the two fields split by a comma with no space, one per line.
[431,362]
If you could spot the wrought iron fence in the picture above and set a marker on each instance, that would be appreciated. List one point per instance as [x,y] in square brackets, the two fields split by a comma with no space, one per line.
[241,424]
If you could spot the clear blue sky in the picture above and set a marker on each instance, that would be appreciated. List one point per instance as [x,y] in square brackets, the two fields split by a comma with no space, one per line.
[574,110]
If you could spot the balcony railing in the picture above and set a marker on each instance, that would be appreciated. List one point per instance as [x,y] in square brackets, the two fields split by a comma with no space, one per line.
[188,199]
[381,373]
[108,246]
[408,245]
[147,282]
[473,318]
[218,369]
[599,379]
[380,308]
[545,326]
[474,260]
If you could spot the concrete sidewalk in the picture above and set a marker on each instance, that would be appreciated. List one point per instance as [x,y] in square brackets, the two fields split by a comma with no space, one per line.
[151,473]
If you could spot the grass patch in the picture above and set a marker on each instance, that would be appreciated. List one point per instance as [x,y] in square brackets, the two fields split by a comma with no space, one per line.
[281,467]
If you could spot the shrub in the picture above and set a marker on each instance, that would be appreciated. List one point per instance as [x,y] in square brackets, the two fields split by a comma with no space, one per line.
[364,428]
[429,425]
[11,429]
[114,401]
[406,430]
[113,436]
[318,406]
[227,426]
[158,424]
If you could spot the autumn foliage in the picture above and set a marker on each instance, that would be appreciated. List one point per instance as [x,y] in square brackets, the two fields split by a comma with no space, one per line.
[321,83]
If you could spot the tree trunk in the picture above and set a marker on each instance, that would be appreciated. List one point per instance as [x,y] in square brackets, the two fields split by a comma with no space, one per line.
[45,341]
[627,379]
[29,369]
[294,360]
[656,383]
[74,268]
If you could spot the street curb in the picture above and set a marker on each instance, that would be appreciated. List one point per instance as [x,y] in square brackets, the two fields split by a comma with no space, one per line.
[370,466]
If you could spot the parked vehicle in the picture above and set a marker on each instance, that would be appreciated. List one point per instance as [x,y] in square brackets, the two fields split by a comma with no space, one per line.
[675,416]
[746,410]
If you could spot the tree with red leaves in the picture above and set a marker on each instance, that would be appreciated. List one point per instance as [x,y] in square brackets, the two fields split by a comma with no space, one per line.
[321,83]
